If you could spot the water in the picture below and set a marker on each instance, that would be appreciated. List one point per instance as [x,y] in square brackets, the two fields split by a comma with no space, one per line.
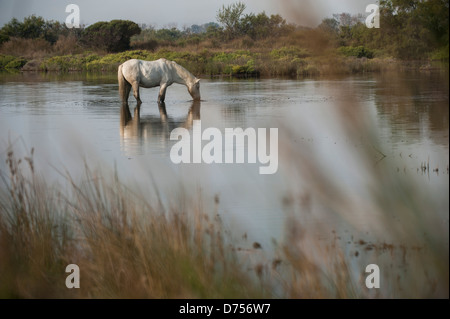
[75,119]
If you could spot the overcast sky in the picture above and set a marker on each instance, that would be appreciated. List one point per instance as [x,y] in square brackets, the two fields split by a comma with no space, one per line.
[179,13]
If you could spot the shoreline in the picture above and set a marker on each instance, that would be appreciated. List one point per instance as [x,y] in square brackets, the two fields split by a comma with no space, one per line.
[289,62]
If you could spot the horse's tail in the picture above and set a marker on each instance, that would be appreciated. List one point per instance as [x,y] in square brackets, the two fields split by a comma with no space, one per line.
[124,85]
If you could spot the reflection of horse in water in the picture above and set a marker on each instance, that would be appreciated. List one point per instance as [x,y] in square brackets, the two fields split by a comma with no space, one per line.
[135,130]
[138,73]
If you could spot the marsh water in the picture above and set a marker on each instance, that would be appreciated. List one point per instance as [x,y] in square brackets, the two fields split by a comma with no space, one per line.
[73,120]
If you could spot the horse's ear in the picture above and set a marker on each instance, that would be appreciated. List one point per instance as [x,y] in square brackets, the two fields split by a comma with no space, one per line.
[197,81]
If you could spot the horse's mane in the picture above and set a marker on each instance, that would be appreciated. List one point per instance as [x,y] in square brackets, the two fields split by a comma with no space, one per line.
[181,70]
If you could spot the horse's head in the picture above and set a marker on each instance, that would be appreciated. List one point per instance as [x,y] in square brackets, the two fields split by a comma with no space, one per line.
[194,90]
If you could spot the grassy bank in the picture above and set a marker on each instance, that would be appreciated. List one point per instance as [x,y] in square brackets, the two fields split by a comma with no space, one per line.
[285,61]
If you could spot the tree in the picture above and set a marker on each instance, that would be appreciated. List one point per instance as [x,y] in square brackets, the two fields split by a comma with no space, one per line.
[261,26]
[53,30]
[329,25]
[410,29]
[230,18]
[113,36]
[170,35]
[10,29]
[33,27]
[413,28]
[434,16]
[213,31]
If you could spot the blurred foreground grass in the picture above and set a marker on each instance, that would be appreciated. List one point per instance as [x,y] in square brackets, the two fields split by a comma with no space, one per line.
[127,247]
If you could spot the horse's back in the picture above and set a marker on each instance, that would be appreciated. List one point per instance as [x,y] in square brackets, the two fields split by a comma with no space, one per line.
[147,73]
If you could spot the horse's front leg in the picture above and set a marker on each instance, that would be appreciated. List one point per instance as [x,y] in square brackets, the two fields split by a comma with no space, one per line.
[162,92]
[135,86]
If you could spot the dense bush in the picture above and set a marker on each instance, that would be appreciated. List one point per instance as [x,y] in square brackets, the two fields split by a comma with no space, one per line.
[359,52]
[412,29]
[291,52]
[68,62]
[259,26]
[11,62]
[32,27]
[26,48]
[113,36]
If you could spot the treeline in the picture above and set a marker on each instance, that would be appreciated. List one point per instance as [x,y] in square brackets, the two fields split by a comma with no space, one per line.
[113,36]
[410,30]
[231,24]
[32,27]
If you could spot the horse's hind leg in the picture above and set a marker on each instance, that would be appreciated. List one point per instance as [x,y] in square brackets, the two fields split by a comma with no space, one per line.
[127,90]
[124,87]
[135,86]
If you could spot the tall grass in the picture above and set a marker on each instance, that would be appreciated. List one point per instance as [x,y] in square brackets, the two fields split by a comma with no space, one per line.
[128,248]
[124,247]
[27,48]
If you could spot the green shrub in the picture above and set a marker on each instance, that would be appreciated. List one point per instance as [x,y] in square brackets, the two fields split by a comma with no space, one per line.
[101,65]
[69,62]
[16,63]
[291,52]
[441,54]
[359,52]
[11,62]
[4,60]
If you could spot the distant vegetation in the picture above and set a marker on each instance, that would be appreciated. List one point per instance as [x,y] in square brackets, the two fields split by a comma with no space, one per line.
[111,36]
[238,43]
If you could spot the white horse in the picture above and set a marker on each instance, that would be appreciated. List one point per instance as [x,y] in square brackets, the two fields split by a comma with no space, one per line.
[135,73]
